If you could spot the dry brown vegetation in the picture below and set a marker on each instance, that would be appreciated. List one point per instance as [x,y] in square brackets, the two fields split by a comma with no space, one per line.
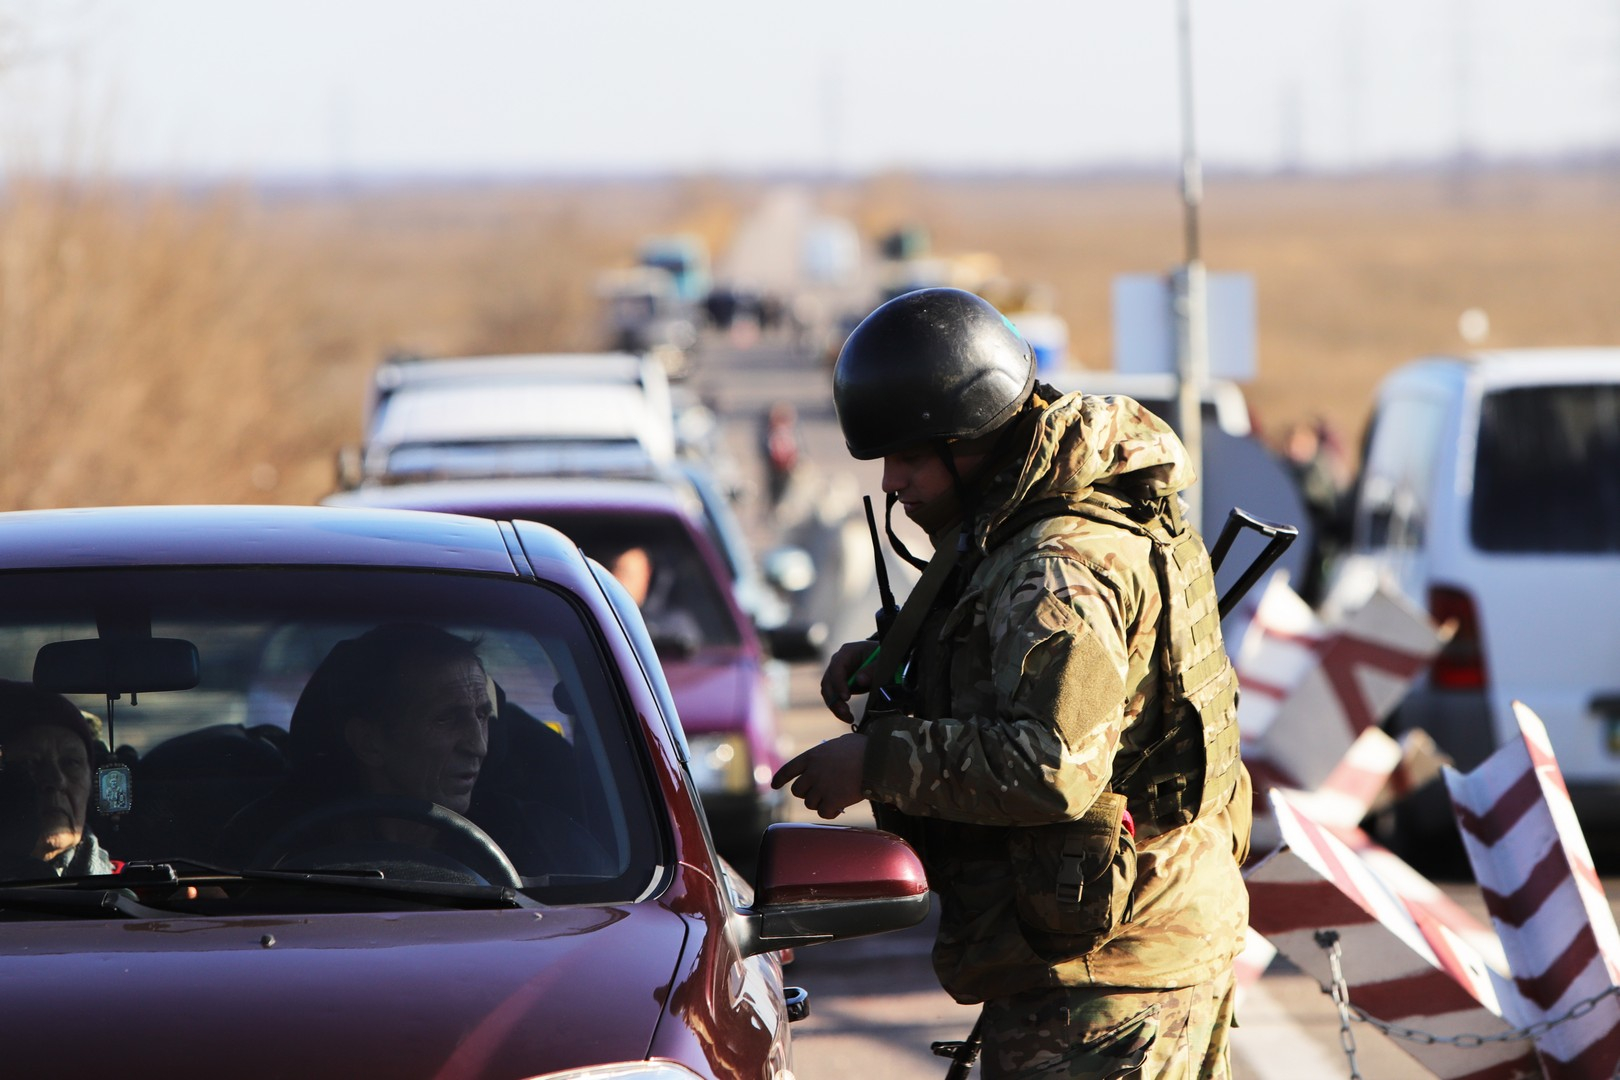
[166,347]
[1352,275]
[163,346]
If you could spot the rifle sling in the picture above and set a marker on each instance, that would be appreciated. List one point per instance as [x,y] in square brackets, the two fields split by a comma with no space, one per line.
[896,644]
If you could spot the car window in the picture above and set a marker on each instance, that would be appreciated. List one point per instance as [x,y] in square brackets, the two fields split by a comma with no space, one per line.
[510,457]
[1395,491]
[1547,470]
[683,602]
[323,688]
[721,525]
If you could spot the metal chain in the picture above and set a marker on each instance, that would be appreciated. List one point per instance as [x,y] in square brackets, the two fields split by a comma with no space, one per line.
[1328,940]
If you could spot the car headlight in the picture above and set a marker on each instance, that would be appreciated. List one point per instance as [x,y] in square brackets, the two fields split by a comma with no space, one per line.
[625,1070]
[721,764]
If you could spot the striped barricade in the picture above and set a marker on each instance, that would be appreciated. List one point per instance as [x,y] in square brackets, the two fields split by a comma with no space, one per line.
[1313,695]
[1543,894]
[1363,668]
[1403,964]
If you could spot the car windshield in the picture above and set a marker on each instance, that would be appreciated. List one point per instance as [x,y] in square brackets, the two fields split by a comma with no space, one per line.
[440,731]
[1547,470]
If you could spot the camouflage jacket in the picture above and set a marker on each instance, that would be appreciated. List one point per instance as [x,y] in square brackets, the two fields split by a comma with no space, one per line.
[1046,656]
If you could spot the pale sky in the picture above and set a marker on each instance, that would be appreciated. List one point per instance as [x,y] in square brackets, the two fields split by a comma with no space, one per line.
[321,88]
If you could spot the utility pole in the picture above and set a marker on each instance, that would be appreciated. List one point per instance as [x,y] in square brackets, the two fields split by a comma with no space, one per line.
[1191,288]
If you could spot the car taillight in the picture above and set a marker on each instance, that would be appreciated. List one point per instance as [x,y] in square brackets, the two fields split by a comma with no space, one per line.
[1461,663]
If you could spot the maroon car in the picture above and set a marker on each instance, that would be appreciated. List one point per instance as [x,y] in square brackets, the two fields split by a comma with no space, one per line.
[709,649]
[470,846]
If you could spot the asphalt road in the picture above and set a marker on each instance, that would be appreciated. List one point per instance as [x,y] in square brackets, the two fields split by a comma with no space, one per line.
[875,1005]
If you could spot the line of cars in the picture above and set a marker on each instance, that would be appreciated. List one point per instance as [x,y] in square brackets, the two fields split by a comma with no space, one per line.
[361,790]
[598,444]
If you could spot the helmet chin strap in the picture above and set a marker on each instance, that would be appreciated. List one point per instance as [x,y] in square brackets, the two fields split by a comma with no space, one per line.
[966,494]
[900,549]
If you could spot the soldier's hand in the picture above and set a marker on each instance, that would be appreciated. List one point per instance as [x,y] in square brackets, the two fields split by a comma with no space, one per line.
[836,687]
[827,776]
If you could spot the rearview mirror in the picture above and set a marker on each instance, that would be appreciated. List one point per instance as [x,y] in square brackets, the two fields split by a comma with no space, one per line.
[110,666]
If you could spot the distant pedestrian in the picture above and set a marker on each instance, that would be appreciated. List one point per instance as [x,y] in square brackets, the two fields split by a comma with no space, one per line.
[780,447]
[1314,458]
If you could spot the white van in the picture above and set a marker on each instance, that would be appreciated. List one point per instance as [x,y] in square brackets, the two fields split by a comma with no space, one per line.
[1490,493]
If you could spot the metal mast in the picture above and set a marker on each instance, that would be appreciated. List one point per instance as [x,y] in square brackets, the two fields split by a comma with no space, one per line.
[1191,286]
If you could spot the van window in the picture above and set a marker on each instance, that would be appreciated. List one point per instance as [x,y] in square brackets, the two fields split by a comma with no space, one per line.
[1547,471]
[1397,479]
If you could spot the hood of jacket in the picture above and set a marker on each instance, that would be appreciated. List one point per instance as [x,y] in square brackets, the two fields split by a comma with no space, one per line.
[1086,446]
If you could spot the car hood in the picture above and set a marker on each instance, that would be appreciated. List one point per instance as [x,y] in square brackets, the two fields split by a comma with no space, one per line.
[444,995]
[712,689]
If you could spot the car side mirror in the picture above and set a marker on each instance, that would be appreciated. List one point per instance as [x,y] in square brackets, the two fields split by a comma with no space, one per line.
[349,470]
[796,641]
[788,568]
[817,883]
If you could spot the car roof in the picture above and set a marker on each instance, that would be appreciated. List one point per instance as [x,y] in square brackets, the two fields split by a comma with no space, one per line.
[604,367]
[1547,365]
[594,493]
[507,411]
[262,536]
[642,372]
[1501,368]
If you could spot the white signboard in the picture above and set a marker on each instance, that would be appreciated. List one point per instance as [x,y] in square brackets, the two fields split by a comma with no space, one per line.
[1145,325]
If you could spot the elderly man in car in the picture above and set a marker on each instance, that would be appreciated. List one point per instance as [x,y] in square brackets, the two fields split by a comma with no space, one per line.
[47,760]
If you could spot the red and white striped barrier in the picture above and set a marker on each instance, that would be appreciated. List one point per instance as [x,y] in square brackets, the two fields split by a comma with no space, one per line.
[1312,693]
[1362,669]
[1275,650]
[1543,894]
[1403,964]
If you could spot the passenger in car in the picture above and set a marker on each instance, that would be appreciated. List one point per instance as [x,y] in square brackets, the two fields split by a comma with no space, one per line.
[403,709]
[406,709]
[47,759]
[672,628]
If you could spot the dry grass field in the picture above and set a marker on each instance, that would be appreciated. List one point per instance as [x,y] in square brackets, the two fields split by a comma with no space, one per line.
[167,346]
[1352,275]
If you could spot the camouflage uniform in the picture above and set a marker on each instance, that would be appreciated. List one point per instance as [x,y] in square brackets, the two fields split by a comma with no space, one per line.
[1040,687]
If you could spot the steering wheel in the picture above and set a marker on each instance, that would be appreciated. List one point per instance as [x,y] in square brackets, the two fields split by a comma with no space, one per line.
[482,855]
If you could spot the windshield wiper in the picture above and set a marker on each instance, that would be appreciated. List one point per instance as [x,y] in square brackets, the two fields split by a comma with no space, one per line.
[101,894]
[368,881]
[95,903]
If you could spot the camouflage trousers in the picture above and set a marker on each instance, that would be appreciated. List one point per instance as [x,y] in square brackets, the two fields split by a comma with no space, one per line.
[1099,1033]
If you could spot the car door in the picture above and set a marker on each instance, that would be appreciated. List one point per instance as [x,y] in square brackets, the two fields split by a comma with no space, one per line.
[1392,534]
[1543,555]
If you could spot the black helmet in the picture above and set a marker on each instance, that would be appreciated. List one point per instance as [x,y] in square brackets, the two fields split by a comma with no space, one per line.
[929,365]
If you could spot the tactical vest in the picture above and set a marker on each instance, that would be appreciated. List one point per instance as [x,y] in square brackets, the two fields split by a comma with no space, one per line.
[1192,765]
[1192,768]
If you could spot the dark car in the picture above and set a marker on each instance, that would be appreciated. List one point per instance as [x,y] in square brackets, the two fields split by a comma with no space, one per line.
[710,652]
[471,845]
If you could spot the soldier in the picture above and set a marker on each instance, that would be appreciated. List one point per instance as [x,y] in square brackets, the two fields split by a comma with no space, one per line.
[1060,743]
